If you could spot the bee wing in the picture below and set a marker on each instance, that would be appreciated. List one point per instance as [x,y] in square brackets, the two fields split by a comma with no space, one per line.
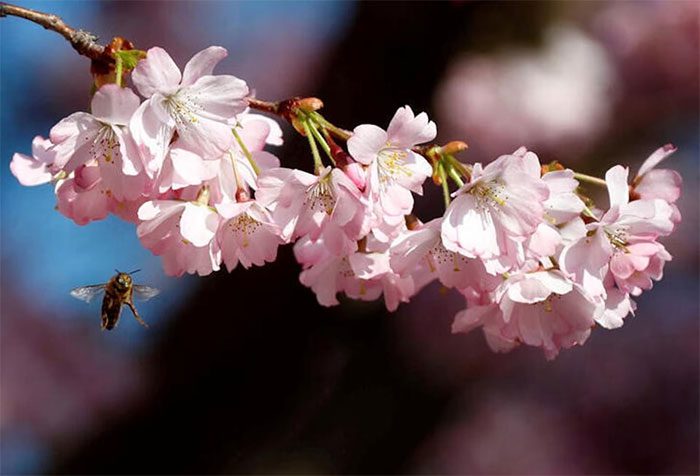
[145,293]
[86,293]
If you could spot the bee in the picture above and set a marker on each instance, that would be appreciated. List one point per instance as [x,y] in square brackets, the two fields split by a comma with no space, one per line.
[119,290]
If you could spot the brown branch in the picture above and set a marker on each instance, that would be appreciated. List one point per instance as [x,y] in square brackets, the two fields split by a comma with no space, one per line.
[265,106]
[84,42]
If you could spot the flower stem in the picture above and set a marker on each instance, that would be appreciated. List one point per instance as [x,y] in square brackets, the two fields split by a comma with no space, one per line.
[459,167]
[590,179]
[455,176]
[318,164]
[336,131]
[246,152]
[119,70]
[324,145]
[445,185]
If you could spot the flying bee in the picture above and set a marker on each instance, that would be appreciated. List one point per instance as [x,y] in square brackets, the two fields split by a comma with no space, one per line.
[119,290]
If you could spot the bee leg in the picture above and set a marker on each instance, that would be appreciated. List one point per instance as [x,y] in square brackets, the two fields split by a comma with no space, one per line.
[136,314]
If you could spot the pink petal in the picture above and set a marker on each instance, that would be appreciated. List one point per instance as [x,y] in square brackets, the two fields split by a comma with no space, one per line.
[155,212]
[660,183]
[618,190]
[198,224]
[114,104]
[29,171]
[617,306]
[132,163]
[468,230]
[406,130]
[366,141]
[474,316]
[585,261]
[202,64]
[73,137]
[189,168]
[233,209]
[369,265]
[156,73]
[621,265]
[152,135]
[259,124]
[655,158]
[545,241]
[221,97]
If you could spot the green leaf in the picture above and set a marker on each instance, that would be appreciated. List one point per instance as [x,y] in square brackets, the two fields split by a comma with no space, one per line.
[129,58]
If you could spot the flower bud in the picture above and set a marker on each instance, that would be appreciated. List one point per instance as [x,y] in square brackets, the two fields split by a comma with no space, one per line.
[309,104]
[454,147]
[356,173]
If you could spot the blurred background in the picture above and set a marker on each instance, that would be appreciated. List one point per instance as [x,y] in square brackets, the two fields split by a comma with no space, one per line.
[244,372]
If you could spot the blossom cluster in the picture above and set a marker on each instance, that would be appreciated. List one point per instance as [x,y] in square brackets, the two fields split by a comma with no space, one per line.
[536,261]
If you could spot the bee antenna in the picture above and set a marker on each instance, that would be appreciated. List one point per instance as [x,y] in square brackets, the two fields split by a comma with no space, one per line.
[135,271]
[118,272]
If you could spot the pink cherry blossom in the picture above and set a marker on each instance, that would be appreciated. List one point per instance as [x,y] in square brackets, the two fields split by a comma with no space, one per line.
[636,264]
[184,166]
[363,275]
[542,309]
[325,207]
[393,169]
[99,135]
[247,234]
[626,234]
[102,138]
[503,202]
[182,233]
[195,103]
[422,247]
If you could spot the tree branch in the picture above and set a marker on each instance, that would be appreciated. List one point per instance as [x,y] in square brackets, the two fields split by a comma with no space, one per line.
[84,42]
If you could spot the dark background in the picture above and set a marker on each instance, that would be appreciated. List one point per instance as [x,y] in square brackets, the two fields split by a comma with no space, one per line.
[245,372]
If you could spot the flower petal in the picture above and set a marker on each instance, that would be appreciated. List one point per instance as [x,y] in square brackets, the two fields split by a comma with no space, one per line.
[655,158]
[618,190]
[29,171]
[198,224]
[366,141]
[156,73]
[114,104]
[202,64]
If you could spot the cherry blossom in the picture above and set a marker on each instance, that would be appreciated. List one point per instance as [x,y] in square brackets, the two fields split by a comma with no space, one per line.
[625,237]
[363,275]
[422,248]
[325,207]
[198,105]
[182,232]
[537,262]
[503,202]
[542,309]
[393,169]
[247,234]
